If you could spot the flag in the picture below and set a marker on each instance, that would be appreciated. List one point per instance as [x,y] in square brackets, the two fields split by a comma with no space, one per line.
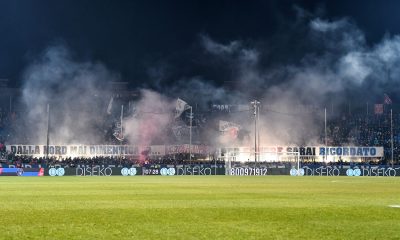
[226,126]
[378,109]
[117,131]
[386,99]
[180,132]
[181,106]
[229,130]
[110,106]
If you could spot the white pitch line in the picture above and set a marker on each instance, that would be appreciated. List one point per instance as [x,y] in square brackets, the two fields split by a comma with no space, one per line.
[394,206]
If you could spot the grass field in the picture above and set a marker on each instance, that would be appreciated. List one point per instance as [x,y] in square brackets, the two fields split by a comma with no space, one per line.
[199,207]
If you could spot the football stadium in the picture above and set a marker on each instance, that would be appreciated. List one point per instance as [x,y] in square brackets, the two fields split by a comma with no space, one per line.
[344,186]
[199,120]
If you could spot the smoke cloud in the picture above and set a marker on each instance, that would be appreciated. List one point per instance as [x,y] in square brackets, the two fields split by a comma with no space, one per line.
[72,90]
[151,123]
[337,69]
[328,64]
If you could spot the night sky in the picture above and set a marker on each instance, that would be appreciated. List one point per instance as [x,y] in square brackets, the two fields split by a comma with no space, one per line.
[132,37]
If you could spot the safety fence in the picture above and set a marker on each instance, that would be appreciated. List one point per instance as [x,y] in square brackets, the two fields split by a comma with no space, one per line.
[206,170]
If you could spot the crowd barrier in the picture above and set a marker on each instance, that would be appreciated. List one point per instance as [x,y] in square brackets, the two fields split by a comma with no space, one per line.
[179,170]
[163,170]
[351,171]
[25,172]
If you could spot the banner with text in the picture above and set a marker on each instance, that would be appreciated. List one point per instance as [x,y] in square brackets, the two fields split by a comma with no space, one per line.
[163,170]
[105,150]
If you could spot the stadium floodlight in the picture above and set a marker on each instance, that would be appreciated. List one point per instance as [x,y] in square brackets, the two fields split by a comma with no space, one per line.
[298,164]
[391,135]
[256,105]
[48,133]
[325,132]
[190,134]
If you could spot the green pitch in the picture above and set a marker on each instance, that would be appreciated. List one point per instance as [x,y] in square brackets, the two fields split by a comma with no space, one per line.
[199,207]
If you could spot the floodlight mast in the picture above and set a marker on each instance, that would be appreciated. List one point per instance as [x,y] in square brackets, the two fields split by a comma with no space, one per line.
[325,133]
[391,135]
[255,104]
[48,133]
[298,163]
[190,134]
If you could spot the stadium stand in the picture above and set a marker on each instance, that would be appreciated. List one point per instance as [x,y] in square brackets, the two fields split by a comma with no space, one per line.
[356,129]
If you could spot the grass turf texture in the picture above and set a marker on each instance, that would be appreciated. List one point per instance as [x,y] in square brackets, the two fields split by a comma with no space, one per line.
[199,207]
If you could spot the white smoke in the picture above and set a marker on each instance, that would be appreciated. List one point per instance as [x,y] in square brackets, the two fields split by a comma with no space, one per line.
[326,26]
[341,63]
[150,124]
[73,92]
[337,64]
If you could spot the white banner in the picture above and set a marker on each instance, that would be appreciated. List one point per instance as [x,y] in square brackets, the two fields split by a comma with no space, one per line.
[104,150]
[180,107]
[226,126]
[349,151]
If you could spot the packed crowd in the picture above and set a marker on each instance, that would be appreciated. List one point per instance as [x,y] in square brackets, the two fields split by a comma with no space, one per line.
[366,130]
[18,161]
[358,130]
[21,161]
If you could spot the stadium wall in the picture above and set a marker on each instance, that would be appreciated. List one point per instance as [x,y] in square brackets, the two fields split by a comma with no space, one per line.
[180,170]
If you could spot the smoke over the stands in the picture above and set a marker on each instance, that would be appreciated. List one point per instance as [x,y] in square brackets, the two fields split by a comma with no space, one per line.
[78,95]
[150,123]
[318,63]
[74,92]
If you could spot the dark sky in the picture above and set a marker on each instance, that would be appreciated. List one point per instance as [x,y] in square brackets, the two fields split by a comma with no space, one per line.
[131,36]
